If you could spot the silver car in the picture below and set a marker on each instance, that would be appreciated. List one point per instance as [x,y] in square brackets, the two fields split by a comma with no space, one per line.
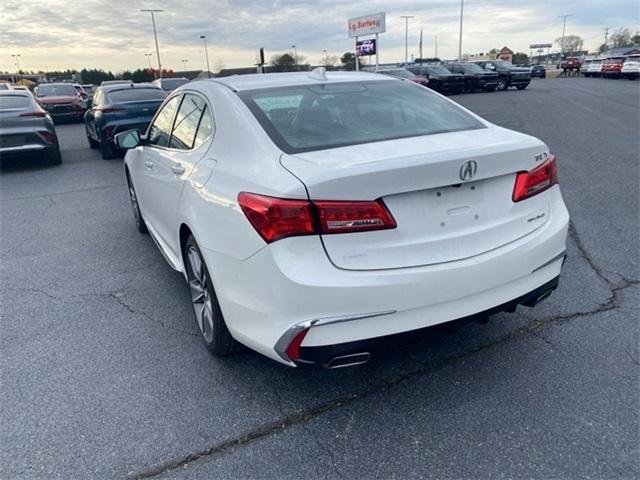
[25,128]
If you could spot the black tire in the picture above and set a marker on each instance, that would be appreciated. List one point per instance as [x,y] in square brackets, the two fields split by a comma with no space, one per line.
[107,150]
[522,87]
[54,157]
[92,143]
[544,75]
[135,207]
[215,335]
[502,84]
[468,86]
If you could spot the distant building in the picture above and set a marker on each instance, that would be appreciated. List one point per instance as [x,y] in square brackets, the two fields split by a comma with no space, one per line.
[505,54]
[619,52]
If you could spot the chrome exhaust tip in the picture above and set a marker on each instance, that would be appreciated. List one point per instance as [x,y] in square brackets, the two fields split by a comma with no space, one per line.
[351,360]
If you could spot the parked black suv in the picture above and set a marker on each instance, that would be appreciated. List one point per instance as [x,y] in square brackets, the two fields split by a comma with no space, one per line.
[475,77]
[509,74]
[536,70]
[440,79]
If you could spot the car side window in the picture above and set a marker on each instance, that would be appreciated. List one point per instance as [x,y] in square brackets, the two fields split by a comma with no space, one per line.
[205,129]
[187,119]
[160,130]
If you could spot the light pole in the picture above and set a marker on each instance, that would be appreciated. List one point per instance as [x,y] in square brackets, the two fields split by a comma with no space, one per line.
[155,36]
[16,56]
[460,39]
[406,36]
[184,64]
[149,55]
[295,52]
[206,54]
[564,23]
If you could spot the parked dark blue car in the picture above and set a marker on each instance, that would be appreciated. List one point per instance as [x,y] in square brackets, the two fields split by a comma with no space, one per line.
[116,108]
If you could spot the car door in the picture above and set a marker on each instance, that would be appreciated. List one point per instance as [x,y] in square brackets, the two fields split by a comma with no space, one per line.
[89,116]
[146,165]
[168,166]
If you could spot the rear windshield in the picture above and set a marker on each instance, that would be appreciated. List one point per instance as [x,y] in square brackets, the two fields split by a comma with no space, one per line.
[8,102]
[315,117]
[56,90]
[136,94]
[173,83]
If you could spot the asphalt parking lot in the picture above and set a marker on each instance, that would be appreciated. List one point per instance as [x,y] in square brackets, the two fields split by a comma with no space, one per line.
[104,374]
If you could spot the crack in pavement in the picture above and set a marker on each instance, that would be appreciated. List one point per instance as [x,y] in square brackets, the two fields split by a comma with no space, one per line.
[301,418]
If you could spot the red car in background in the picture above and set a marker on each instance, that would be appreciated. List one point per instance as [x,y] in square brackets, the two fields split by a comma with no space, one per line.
[612,67]
[61,100]
[571,63]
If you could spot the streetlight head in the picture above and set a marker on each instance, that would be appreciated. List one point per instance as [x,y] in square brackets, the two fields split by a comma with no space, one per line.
[203,36]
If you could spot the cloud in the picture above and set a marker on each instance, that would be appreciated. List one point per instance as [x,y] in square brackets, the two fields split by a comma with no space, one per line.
[115,34]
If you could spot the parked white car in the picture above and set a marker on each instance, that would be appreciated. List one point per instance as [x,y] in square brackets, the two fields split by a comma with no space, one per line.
[316,214]
[592,68]
[631,67]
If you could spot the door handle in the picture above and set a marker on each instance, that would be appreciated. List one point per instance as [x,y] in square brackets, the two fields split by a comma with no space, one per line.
[148,165]
[177,169]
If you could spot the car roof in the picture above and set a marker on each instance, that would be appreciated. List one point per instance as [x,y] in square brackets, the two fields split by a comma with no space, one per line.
[127,86]
[255,81]
[23,93]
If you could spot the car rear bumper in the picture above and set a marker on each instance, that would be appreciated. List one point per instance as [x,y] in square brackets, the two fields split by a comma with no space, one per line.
[291,284]
[357,352]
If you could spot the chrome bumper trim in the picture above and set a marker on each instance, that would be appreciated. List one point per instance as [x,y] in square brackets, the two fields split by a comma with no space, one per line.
[286,338]
[562,255]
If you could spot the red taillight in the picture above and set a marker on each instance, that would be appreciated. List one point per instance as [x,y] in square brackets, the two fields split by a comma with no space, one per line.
[293,350]
[47,136]
[536,181]
[344,217]
[35,113]
[276,218]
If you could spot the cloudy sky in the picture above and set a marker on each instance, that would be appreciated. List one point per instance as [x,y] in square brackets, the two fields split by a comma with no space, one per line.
[115,35]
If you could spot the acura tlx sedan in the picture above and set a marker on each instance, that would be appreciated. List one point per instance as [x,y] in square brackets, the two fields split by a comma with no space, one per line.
[316,214]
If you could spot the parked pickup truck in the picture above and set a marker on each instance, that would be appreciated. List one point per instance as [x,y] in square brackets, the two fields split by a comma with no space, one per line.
[571,63]
[508,74]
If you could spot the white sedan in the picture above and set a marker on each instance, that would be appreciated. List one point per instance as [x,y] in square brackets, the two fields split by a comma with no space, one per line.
[314,215]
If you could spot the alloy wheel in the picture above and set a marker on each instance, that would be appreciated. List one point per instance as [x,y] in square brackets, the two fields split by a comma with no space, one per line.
[200,295]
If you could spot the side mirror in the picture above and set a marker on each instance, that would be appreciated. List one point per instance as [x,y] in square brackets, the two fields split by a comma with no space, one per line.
[128,140]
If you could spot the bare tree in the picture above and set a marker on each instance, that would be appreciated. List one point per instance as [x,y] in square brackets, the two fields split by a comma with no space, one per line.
[570,43]
[218,65]
[329,61]
[621,38]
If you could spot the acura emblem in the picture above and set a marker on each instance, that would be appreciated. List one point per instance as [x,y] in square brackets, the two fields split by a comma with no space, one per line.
[468,170]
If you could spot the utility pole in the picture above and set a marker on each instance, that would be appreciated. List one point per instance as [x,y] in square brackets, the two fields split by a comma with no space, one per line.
[564,23]
[606,37]
[16,56]
[155,35]
[295,53]
[206,53]
[436,46]
[460,38]
[149,55]
[406,36]
[184,64]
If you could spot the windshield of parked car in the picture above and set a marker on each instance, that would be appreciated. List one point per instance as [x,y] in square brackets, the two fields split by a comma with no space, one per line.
[56,91]
[136,94]
[10,102]
[504,65]
[437,70]
[472,68]
[316,117]
[401,73]
[173,83]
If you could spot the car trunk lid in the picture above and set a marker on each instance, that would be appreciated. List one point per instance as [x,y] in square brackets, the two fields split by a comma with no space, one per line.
[440,217]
